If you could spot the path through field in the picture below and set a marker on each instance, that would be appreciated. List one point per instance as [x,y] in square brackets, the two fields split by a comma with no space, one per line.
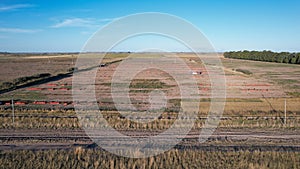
[222,139]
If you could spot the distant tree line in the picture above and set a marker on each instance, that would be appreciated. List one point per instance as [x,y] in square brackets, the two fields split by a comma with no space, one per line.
[267,56]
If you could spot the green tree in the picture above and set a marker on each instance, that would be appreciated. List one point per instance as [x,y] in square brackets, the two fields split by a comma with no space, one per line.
[298,58]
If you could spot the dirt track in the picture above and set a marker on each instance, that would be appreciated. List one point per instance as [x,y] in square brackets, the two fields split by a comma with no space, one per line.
[222,139]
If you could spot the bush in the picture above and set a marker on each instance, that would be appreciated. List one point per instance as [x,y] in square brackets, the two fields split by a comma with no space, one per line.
[247,72]
[6,85]
[25,79]
[73,69]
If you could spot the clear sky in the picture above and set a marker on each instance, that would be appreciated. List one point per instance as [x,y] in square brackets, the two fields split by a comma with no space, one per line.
[65,26]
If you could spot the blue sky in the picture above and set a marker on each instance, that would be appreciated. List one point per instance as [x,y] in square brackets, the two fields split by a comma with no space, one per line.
[65,26]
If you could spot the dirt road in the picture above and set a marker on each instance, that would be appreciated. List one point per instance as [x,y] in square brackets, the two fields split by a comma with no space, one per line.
[222,140]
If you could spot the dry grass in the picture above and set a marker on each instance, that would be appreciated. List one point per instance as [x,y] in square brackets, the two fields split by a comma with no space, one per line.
[242,106]
[69,120]
[95,158]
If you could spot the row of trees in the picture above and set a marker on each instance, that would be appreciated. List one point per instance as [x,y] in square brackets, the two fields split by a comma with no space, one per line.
[267,56]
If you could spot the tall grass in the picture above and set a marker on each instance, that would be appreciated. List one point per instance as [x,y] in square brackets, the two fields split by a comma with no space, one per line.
[69,120]
[95,158]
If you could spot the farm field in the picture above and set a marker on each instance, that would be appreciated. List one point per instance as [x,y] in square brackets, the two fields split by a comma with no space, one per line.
[267,89]
[253,131]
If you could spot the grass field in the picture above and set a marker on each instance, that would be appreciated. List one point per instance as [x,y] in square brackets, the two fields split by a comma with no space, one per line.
[81,158]
[252,132]
[67,119]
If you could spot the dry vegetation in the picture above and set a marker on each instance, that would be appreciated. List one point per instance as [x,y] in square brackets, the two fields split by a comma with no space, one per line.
[256,95]
[93,158]
[31,119]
